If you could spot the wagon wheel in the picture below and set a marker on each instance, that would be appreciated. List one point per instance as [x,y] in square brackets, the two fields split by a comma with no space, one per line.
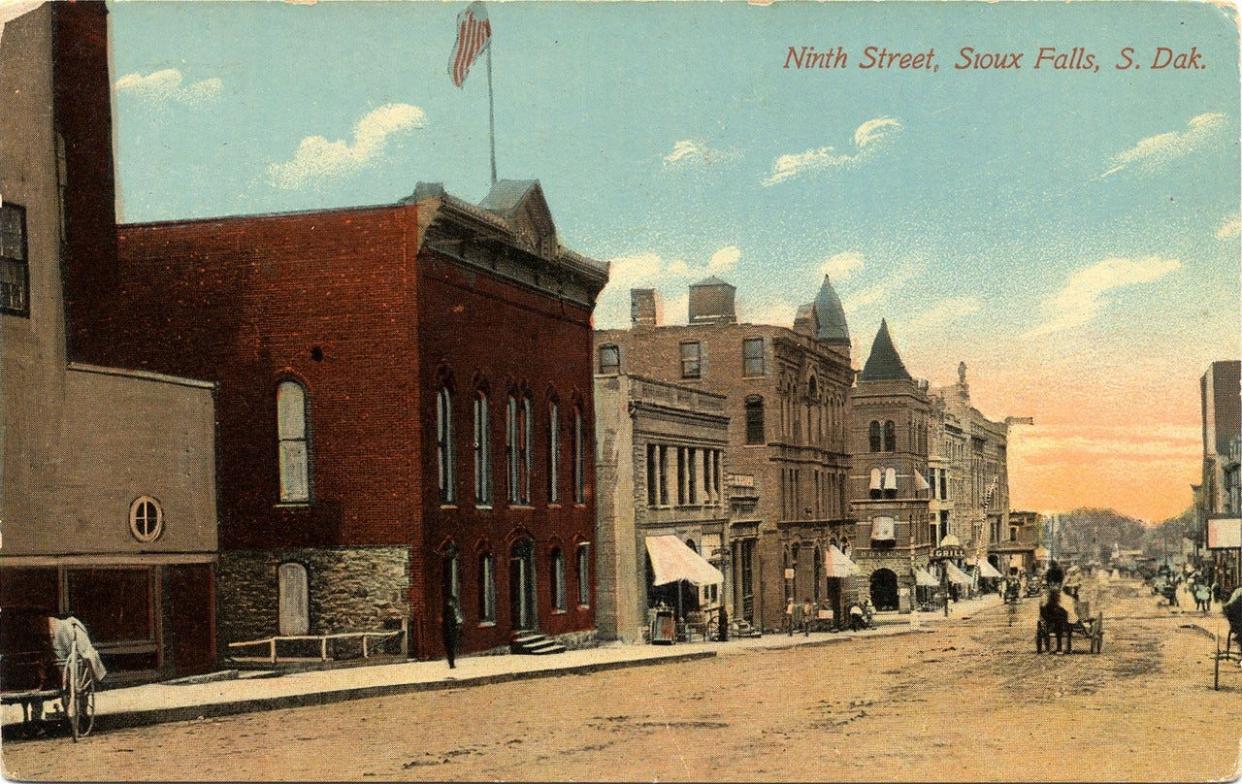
[69,682]
[78,695]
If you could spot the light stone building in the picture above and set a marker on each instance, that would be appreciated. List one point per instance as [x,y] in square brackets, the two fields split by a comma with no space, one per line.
[661,464]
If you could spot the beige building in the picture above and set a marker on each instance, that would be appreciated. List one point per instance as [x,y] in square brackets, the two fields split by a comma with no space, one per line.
[1014,553]
[787,395]
[107,497]
[660,471]
[978,472]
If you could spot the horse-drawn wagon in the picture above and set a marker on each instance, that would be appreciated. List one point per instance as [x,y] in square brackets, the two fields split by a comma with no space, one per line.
[43,659]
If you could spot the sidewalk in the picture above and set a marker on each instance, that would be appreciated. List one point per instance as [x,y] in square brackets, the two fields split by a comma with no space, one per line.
[164,702]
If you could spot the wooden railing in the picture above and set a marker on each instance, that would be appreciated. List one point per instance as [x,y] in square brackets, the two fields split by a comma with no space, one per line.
[324,639]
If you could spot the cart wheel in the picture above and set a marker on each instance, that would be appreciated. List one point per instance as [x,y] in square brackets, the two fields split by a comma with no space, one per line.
[69,681]
[85,700]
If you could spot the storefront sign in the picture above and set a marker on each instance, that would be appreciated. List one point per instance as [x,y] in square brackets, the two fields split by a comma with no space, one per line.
[740,480]
[1224,533]
[789,574]
[948,553]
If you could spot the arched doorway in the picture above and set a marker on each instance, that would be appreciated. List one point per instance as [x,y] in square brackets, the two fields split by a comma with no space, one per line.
[522,585]
[884,589]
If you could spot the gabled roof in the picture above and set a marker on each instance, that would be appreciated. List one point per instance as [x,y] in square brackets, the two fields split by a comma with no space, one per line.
[884,363]
[507,195]
[832,325]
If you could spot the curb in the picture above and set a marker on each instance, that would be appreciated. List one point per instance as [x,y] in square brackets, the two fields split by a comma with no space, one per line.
[111,721]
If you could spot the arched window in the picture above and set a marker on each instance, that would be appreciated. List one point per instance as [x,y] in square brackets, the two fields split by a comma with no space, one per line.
[579,458]
[292,431]
[444,445]
[528,449]
[482,450]
[517,440]
[293,596]
[487,588]
[890,436]
[754,420]
[584,575]
[873,433]
[554,453]
[558,580]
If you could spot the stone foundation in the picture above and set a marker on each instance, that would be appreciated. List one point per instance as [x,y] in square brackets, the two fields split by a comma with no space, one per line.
[350,589]
[573,640]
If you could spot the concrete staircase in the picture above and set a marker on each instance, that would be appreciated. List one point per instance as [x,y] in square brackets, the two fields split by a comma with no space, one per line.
[534,644]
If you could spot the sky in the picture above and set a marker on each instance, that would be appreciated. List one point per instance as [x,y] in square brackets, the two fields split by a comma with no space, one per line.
[1071,234]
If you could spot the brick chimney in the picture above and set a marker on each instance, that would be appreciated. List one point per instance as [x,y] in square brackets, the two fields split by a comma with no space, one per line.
[646,307]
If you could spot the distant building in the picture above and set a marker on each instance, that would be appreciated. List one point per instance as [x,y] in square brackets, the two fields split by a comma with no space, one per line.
[787,393]
[660,470]
[889,490]
[405,410]
[1220,492]
[1015,552]
[108,495]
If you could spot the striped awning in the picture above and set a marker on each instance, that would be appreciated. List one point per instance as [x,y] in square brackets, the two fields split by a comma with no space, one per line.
[956,575]
[838,564]
[987,570]
[673,561]
[924,578]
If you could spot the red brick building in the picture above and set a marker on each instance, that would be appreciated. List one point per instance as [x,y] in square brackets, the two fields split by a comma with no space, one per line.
[404,409]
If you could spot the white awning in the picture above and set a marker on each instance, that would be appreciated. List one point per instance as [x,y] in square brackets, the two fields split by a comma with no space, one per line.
[890,478]
[920,482]
[987,570]
[883,529]
[876,480]
[956,575]
[923,577]
[838,564]
[672,561]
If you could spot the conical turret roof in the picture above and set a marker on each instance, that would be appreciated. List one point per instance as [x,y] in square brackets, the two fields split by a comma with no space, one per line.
[885,363]
[832,326]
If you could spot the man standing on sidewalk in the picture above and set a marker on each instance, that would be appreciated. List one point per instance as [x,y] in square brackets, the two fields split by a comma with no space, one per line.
[808,614]
[452,622]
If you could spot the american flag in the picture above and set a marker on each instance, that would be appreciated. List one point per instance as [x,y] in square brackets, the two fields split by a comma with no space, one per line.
[474,34]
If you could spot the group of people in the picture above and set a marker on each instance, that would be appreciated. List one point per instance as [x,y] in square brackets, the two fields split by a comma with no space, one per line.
[805,618]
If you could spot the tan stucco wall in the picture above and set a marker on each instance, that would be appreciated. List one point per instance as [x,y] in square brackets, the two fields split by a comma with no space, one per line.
[80,446]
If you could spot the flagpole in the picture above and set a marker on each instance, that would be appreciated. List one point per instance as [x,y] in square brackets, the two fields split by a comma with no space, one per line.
[491,111]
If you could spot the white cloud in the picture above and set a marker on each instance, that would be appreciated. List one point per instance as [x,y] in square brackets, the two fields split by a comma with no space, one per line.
[1155,152]
[943,312]
[1083,296]
[780,312]
[1230,228]
[878,292]
[687,152]
[317,158]
[840,266]
[167,85]
[869,138]
[1071,442]
[652,271]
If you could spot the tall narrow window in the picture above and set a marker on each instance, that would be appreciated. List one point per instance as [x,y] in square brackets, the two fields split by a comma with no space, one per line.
[653,475]
[752,357]
[487,589]
[609,360]
[579,458]
[554,453]
[444,445]
[873,437]
[511,448]
[662,480]
[14,267]
[692,477]
[890,436]
[528,451]
[754,420]
[291,427]
[482,451]
[682,484]
[558,580]
[691,360]
[584,575]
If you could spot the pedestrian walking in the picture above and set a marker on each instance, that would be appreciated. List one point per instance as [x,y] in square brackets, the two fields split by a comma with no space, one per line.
[808,612]
[452,623]
[789,613]
[723,633]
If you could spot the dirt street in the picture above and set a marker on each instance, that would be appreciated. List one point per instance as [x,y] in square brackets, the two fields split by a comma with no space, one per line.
[969,702]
